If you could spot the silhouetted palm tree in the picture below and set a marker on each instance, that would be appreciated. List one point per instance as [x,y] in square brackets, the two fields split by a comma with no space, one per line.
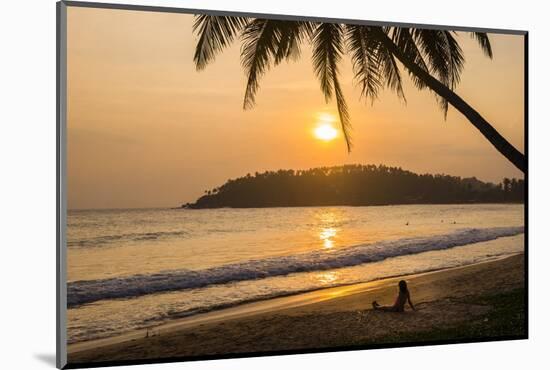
[506,184]
[433,59]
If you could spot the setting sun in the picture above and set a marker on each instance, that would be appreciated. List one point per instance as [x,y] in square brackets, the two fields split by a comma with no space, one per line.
[325,132]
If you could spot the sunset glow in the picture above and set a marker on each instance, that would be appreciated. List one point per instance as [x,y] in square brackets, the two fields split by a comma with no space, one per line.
[134,91]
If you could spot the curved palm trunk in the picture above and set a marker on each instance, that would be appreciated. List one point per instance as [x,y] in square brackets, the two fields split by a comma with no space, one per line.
[498,141]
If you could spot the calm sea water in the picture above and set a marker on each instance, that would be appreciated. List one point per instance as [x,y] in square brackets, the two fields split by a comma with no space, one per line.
[129,269]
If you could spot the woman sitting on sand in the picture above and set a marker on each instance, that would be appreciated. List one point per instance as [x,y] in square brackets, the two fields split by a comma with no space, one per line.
[399,305]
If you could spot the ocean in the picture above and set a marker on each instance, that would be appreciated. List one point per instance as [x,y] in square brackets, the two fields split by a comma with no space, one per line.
[136,268]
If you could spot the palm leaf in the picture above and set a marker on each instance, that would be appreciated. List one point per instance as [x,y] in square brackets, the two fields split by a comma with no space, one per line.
[343,113]
[328,46]
[215,33]
[260,44]
[265,42]
[363,51]
[444,56]
[455,58]
[404,39]
[292,34]
[484,43]
[388,66]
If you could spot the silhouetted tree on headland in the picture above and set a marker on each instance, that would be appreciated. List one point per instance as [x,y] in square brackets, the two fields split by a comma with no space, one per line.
[433,59]
[355,185]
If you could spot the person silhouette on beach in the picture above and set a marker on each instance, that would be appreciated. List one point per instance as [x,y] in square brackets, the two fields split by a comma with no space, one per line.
[399,305]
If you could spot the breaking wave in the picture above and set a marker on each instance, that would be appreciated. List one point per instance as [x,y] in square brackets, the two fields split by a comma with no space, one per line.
[82,292]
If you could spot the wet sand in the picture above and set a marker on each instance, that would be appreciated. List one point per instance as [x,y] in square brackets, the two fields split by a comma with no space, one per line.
[327,318]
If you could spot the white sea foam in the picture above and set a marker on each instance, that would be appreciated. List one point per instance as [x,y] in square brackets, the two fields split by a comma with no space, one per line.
[82,292]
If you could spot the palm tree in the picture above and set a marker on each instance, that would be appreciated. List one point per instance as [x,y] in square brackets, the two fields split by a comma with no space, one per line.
[433,59]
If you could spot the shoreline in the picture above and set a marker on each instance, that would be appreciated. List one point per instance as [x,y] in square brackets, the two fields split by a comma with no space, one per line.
[321,301]
[184,206]
[172,207]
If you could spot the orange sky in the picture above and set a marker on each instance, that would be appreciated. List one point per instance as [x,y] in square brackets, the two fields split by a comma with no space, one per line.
[145,129]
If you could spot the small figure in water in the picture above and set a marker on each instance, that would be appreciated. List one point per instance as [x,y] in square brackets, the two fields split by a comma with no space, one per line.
[399,305]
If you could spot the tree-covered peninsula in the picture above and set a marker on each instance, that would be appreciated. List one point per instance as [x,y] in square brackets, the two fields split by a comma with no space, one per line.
[355,185]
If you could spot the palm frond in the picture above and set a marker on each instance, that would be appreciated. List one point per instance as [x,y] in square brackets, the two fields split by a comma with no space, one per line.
[343,113]
[292,34]
[403,38]
[260,44]
[455,58]
[388,66]
[444,56]
[327,51]
[328,46]
[484,43]
[364,60]
[265,42]
[215,33]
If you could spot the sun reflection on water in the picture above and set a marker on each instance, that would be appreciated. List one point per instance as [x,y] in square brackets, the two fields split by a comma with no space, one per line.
[327,277]
[326,236]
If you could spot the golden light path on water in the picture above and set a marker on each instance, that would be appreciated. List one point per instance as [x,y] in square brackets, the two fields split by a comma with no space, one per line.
[329,220]
[326,236]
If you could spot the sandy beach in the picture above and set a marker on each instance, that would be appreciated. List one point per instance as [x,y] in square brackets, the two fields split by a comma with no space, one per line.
[476,301]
